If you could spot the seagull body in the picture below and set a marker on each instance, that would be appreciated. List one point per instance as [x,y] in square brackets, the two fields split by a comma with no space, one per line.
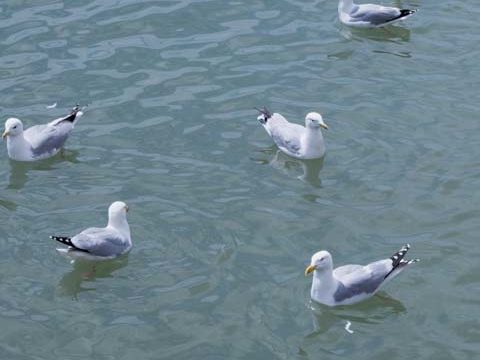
[370,15]
[40,141]
[351,284]
[293,139]
[107,242]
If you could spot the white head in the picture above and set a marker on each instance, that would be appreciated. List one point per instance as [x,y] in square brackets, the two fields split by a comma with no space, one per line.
[321,261]
[314,120]
[13,127]
[117,214]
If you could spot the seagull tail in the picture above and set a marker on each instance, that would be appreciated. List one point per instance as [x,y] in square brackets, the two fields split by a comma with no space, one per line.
[66,240]
[74,114]
[63,239]
[72,117]
[404,13]
[399,261]
[265,114]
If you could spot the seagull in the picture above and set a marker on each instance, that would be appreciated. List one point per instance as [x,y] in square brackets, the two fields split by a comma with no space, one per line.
[40,141]
[107,242]
[351,284]
[293,139]
[370,15]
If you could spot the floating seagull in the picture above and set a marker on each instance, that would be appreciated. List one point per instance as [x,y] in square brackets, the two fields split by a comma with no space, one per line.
[293,139]
[350,284]
[40,141]
[107,242]
[370,15]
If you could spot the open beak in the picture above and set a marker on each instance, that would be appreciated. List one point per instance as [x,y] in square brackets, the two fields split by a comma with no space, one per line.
[309,269]
[5,134]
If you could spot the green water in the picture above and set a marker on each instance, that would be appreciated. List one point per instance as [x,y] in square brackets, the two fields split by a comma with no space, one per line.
[222,225]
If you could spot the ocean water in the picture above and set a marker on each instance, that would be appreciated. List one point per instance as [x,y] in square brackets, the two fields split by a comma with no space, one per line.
[222,224]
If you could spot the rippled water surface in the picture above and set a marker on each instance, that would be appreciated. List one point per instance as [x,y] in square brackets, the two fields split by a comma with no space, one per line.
[222,224]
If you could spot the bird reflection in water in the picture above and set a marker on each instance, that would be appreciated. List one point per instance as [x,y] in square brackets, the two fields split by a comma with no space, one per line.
[87,271]
[310,168]
[333,326]
[19,169]
[390,34]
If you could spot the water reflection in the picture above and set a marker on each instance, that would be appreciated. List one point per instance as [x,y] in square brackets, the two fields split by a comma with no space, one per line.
[335,325]
[389,33]
[7,204]
[19,169]
[310,168]
[87,271]
[374,310]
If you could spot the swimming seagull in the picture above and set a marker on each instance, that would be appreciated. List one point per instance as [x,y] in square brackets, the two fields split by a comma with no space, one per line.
[40,141]
[293,139]
[350,284]
[370,15]
[107,242]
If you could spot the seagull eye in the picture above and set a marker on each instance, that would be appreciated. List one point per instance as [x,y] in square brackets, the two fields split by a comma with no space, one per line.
[15,127]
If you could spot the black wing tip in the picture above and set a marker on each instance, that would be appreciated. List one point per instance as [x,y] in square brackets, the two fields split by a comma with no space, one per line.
[73,113]
[407,12]
[403,14]
[62,239]
[76,109]
[398,259]
[66,241]
[399,255]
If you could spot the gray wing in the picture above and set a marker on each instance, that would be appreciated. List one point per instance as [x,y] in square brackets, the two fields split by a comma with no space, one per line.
[100,242]
[287,137]
[375,14]
[358,280]
[342,271]
[47,139]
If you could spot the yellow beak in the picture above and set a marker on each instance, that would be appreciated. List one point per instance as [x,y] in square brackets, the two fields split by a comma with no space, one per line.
[5,134]
[309,269]
[325,126]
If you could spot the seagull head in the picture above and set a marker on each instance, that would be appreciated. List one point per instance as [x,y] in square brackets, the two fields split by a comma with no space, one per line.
[118,207]
[321,261]
[13,127]
[314,120]
[117,213]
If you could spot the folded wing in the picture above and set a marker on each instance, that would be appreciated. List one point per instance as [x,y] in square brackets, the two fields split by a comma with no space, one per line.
[375,14]
[101,242]
[47,139]
[361,280]
[286,135]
